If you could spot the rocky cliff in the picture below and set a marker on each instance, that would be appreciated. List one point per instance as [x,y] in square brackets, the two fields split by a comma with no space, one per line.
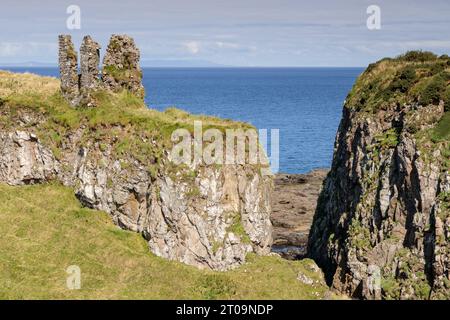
[382,224]
[115,157]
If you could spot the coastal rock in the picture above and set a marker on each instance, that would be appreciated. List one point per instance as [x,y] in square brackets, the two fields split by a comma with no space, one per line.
[379,227]
[23,160]
[208,217]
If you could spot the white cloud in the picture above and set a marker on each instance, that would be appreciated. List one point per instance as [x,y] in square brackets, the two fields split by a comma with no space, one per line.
[227,45]
[8,49]
[192,47]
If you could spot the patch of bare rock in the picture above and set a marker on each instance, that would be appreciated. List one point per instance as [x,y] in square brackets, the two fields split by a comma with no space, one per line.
[294,202]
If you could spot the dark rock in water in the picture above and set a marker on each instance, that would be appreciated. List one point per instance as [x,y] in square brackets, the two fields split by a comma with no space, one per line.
[290,252]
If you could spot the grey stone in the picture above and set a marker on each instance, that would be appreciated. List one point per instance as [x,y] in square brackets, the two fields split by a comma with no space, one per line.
[121,69]
[68,69]
[382,208]
[89,64]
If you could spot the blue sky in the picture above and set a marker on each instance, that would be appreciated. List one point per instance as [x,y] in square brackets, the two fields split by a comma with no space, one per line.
[232,32]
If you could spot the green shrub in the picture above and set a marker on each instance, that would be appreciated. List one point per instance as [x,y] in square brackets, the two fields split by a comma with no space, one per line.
[447,99]
[388,139]
[434,91]
[390,288]
[418,56]
[404,80]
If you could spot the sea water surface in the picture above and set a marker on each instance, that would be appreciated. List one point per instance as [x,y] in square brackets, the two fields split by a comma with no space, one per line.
[305,104]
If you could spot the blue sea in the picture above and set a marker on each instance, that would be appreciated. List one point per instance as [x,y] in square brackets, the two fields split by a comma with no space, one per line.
[305,104]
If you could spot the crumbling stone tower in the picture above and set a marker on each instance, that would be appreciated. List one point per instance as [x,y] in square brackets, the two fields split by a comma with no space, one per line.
[89,61]
[121,69]
[68,69]
[89,77]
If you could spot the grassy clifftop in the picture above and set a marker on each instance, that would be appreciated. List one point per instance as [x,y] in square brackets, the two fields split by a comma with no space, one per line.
[42,236]
[120,119]
[43,94]
[414,78]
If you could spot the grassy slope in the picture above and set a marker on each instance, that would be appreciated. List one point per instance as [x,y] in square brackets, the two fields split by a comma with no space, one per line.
[43,235]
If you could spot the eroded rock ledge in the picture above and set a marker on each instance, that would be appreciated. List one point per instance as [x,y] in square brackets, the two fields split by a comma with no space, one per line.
[212,219]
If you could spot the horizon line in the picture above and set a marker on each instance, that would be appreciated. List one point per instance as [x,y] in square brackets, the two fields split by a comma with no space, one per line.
[194,67]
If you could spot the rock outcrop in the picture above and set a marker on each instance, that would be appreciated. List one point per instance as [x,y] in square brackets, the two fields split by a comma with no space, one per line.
[210,221]
[382,223]
[206,216]
[121,68]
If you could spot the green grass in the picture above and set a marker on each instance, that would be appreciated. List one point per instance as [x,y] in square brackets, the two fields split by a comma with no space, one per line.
[238,229]
[414,78]
[442,130]
[42,236]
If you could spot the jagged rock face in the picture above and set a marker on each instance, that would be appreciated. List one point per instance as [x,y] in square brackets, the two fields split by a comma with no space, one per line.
[68,69]
[121,68]
[89,62]
[380,210]
[23,160]
[226,219]
[210,220]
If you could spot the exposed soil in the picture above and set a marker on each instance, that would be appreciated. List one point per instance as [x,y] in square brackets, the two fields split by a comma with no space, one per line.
[294,202]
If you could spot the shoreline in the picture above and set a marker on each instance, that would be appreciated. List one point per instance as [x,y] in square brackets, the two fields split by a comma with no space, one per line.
[294,202]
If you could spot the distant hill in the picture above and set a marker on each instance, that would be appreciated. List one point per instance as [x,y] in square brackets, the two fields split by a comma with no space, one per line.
[180,64]
[145,64]
[29,64]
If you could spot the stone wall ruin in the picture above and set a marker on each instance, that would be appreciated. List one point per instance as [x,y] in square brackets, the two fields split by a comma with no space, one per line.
[120,70]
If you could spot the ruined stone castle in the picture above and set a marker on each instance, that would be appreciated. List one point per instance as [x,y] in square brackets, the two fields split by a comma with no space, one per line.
[120,69]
